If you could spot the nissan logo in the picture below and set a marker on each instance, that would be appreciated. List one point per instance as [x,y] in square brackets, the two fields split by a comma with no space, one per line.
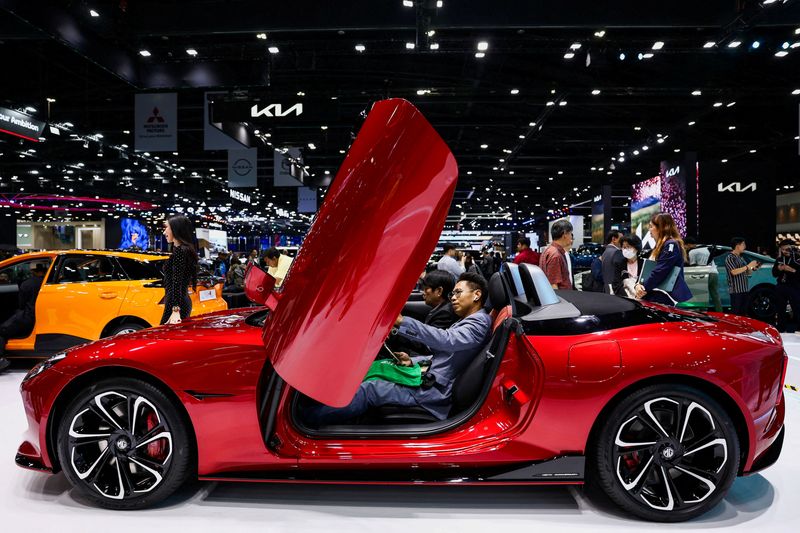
[242,167]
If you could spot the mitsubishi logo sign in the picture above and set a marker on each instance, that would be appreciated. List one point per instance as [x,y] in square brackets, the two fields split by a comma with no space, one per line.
[275,110]
[736,187]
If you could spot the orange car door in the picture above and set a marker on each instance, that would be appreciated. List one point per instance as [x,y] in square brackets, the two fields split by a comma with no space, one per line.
[84,296]
[11,277]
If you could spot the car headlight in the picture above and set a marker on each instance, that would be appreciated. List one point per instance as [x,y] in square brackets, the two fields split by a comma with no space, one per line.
[44,365]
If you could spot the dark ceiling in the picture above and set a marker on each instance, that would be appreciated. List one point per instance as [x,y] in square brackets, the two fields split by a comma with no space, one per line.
[549,140]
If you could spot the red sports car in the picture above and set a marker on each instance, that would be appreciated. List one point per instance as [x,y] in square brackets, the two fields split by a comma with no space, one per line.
[660,408]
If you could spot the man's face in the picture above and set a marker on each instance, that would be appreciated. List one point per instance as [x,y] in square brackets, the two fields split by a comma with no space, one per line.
[432,297]
[786,250]
[520,246]
[568,239]
[271,262]
[741,247]
[463,298]
[615,240]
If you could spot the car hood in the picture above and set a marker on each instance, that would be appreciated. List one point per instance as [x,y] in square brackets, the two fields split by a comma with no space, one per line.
[373,235]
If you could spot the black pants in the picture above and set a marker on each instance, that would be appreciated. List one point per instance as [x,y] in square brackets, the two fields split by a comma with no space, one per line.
[739,303]
[787,294]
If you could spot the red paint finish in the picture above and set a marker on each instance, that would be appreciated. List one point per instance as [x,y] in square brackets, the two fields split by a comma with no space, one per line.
[362,256]
[594,361]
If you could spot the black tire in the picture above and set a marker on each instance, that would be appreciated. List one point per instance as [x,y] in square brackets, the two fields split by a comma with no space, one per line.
[658,480]
[154,451]
[762,304]
[126,327]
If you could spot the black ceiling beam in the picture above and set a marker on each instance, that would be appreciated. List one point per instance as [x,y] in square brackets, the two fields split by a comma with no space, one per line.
[65,28]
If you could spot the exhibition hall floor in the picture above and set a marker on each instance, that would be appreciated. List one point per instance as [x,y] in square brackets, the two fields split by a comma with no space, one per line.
[31,501]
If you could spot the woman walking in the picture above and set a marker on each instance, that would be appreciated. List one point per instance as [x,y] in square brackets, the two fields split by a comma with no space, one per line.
[180,270]
[669,253]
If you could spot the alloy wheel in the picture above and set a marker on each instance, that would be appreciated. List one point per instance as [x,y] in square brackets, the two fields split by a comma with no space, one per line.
[120,444]
[670,453]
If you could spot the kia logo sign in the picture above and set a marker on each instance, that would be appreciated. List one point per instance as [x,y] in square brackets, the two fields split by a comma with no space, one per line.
[673,172]
[242,167]
[275,110]
[736,187]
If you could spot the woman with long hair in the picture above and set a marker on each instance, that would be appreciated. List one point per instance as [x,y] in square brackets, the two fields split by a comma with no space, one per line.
[669,253]
[180,270]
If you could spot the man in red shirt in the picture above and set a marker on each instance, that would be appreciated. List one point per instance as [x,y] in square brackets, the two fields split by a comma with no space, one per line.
[554,261]
[524,252]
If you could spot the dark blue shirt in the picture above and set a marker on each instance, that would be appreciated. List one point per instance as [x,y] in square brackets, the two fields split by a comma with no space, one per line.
[671,256]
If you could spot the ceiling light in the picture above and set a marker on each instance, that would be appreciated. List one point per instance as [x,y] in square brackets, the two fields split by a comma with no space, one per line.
[755,44]
[636,152]
[410,46]
[697,92]
[731,104]
[785,45]
[596,92]
[273,49]
[569,55]
[717,104]
[797,31]
[645,148]
[753,151]
[94,13]
[408,3]
[30,109]
[734,44]
[709,44]
[440,3]
[648,55]
[434,46]
[484,146]
[532,124]
[483,46]
[724,160]
[796,92]
[51,100]
[600,33]
[360,48]
[795,44]
[550,103]
[637,128]
[782,53]
[731,127]
[521,136]
[312,146]
[622,56]
[659,141]
[480,55]
[658,45]
[323,127]
[300,93]
[575,46]
[261,35]
[692,123]
[191,51]
[144,53]
[514,91]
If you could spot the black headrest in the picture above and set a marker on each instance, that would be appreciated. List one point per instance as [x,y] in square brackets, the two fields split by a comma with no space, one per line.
[497,294]
[530,289]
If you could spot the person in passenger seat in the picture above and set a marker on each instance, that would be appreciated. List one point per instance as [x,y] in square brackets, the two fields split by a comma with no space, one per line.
[453,349]
[436,285]
[21,323]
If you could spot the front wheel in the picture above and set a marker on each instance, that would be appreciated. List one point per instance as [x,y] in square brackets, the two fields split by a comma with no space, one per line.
[124,445]
[666,453]
[762,304]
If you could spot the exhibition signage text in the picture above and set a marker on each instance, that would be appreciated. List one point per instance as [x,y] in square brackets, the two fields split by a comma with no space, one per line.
[20,124]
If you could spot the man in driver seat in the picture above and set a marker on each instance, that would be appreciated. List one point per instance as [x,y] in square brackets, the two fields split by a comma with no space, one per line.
[453,349]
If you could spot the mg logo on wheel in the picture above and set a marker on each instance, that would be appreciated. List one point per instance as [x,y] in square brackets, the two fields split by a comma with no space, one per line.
[668,453]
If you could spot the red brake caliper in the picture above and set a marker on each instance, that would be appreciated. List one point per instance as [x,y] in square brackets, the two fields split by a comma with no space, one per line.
[156,449]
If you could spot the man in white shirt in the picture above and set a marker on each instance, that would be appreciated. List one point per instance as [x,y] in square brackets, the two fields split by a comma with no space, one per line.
[448,261]
[278,264]
[698,255]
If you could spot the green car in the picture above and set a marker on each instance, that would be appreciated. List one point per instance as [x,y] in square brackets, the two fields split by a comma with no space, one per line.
[761,304]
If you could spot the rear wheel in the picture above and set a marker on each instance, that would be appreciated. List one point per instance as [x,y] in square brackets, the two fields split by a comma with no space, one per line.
[126,327]
[762,304]
[666,453]
[124,445]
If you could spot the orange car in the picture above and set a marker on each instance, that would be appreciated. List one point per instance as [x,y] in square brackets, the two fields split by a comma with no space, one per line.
[89,294]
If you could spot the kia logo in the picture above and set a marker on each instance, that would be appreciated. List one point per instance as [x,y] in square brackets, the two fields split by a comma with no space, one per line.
[242,167]
[275,110]
[736,187]
[673,172]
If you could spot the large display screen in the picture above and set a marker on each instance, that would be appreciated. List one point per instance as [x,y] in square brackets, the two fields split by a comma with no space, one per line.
[645,202]
[598,219]
[134,235]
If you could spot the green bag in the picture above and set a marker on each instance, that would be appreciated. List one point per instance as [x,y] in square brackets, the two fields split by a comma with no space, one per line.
[388,370]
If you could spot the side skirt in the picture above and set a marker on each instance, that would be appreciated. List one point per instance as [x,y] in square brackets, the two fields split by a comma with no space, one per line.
[565,470]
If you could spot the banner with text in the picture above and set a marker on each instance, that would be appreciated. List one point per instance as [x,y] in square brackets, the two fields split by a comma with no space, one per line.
[306,200]
[20,125]
[156,122]
[289,171]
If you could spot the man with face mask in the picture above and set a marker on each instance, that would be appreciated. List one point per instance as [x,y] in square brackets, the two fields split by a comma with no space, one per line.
[613,264]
